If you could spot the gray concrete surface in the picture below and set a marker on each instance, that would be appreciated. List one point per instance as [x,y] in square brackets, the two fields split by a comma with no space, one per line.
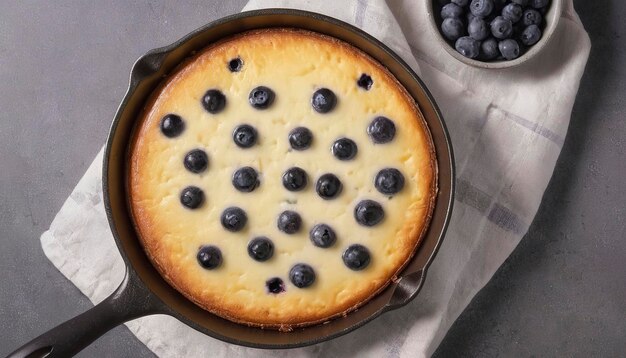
[64,68]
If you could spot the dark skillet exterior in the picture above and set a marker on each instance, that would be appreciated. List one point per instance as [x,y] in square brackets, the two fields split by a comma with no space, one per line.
[147,74]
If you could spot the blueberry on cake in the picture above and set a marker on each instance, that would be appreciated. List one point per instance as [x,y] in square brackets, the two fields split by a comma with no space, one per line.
[281,178]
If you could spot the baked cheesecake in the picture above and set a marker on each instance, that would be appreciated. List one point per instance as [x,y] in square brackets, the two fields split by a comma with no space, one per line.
[280,178]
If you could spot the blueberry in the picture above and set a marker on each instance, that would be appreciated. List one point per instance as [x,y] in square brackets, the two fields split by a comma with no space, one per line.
[196,161]
[289,222]
[192,197]
[537,4]
[244,136]
[489,49]
[531,17]
[245,179]
[344,149]
[452,28]
[234,219]
[501,28]
[214,101]
[461,3]
[467,47]
[302,275]
[365,82]
[531,35]
[294,179]
[469,16]
[356,257]
[209,257]
[322,235]
[300,138]
[368,213]
[389,181]
[172,125]
[275,285]
[481,8]
[261,248]
[451,10]
[509,48]
[323,100]
[235,64]
[478,29]
[512,12]
[520,2]
[261,97]
[381,130]
[328,186]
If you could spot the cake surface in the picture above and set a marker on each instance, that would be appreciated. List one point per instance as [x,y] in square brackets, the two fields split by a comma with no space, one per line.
[280,178]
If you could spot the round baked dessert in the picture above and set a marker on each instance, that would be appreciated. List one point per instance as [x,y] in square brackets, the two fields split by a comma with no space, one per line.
[280,178]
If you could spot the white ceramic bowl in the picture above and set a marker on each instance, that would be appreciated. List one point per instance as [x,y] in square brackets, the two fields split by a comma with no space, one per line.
[551,18]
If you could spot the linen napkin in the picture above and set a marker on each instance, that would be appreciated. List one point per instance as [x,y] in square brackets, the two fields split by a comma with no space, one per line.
[507,130]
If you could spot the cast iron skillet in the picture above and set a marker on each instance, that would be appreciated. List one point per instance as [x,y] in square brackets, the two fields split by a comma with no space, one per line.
[143,291]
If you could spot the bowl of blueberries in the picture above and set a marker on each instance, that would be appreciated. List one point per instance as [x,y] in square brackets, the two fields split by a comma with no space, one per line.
[494,33]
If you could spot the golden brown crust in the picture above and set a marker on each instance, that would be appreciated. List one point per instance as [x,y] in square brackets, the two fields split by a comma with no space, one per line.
[170,253]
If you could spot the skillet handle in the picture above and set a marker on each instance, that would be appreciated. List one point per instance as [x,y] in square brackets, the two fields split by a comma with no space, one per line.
[129,301]
[406,290]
